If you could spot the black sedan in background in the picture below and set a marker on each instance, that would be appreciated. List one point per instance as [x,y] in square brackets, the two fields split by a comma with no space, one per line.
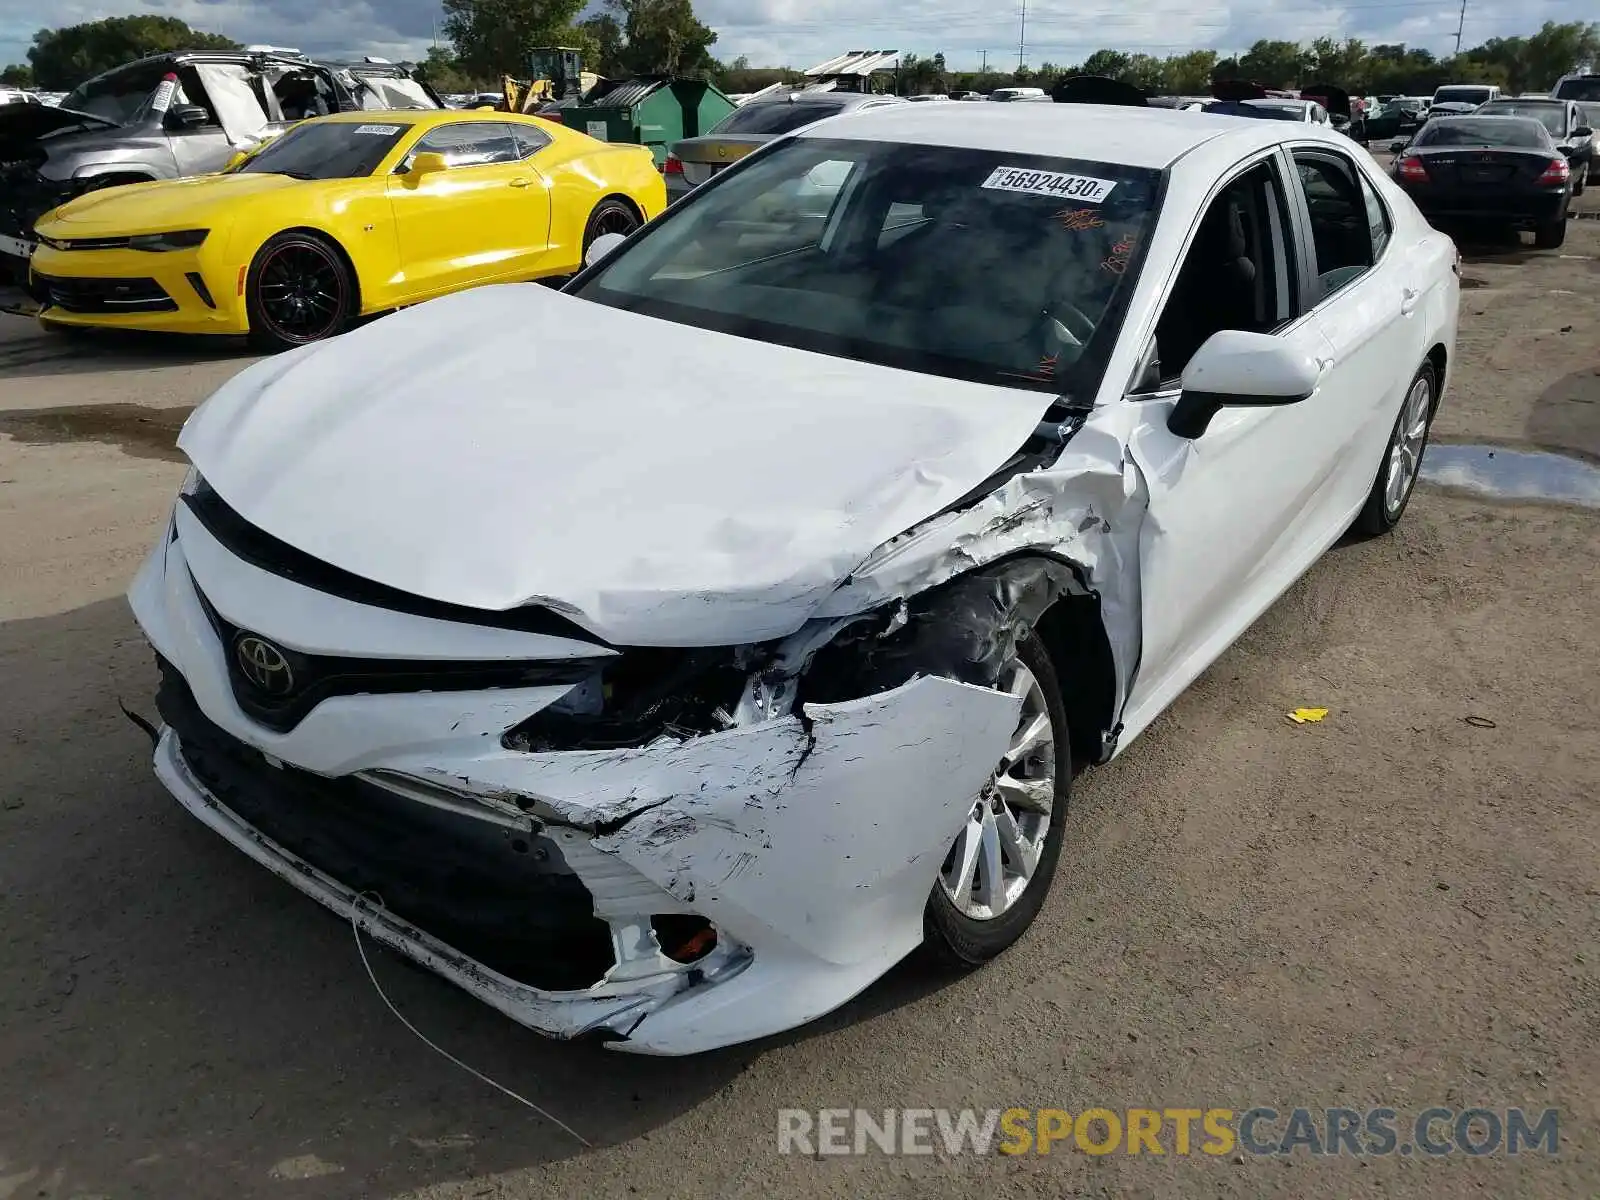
[1566,123]
[1501,169]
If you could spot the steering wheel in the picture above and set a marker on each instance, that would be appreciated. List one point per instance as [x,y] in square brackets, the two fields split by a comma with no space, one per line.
[1072,327]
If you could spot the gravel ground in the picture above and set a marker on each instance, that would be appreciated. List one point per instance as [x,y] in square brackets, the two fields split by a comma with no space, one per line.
[1398,906]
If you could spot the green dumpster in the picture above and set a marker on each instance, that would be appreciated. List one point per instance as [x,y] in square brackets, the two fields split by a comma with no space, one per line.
[652,111]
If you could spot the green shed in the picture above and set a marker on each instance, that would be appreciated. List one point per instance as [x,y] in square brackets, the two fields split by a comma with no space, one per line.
[649,110]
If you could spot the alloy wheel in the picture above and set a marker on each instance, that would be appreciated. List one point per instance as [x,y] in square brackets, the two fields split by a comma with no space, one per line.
[1405,451]
[301,292]
[997,852]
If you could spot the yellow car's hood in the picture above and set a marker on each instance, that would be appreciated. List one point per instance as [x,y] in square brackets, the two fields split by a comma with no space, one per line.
[196,203]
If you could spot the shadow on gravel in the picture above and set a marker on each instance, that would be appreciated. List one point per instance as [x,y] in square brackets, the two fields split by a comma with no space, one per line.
[177,1022]
[29,350]
[1567,416]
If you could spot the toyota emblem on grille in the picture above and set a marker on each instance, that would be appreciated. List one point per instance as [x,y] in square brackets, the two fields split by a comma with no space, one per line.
[264,665]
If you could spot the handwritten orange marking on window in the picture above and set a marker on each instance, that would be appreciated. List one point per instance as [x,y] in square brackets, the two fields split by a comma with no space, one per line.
[1076,220]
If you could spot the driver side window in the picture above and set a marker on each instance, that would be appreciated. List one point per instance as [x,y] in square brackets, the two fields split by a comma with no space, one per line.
[1237,273]
[470,144]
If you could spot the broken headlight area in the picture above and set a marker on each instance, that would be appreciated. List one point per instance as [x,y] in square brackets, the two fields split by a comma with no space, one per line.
[637,697]
[966,630]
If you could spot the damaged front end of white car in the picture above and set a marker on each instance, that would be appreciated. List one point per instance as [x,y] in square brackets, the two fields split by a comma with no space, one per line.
[671,705]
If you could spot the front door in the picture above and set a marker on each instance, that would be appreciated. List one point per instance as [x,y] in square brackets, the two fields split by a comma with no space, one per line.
[1236,514]
[486,217]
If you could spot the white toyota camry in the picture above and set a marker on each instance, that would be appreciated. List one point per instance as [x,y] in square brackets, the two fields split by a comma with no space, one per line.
[664,658]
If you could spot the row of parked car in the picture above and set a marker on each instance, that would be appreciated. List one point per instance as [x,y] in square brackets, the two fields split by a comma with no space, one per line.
[1518,162]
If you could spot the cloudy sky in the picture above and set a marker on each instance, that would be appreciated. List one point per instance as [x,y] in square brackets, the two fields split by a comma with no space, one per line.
[802,32]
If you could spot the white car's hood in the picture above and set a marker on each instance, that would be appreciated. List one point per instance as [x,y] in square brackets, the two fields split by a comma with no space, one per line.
[662,485]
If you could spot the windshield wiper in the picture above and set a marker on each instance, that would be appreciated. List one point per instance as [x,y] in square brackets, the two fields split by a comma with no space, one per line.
[292,174]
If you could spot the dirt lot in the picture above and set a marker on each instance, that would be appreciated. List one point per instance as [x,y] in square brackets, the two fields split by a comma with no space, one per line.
[1399,906]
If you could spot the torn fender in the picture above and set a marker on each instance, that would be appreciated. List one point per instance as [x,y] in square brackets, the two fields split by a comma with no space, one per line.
[1086,508]
[837,857]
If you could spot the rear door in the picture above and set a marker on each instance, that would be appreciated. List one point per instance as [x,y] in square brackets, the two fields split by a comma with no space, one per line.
[1366,297]
[486,217]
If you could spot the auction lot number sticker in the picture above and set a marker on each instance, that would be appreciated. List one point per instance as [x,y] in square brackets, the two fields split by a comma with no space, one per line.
[1057,184]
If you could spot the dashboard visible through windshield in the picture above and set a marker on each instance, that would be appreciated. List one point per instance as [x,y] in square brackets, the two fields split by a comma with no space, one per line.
[1000,268]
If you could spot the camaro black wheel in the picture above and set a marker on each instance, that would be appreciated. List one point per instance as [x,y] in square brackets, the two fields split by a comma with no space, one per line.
[997,874]
[610,216]
[298,290]
[1402,458]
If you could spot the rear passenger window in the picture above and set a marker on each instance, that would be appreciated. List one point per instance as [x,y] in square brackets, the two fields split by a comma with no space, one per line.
[1341,230]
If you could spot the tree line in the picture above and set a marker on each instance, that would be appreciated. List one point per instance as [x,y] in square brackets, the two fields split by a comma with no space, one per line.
[489,38]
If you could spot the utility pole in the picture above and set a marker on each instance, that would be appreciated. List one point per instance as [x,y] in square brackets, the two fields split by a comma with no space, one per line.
[985,68]
[1022,41]
[1460,25]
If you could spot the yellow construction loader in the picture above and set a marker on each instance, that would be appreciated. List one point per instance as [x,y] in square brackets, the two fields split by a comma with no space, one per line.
[555,73]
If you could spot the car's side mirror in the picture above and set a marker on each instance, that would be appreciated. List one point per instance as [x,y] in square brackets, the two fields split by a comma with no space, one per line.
[1397,145]
[602,247]
[188,116]
[1238,369]
[426,163]
[236,160]
[1583,131]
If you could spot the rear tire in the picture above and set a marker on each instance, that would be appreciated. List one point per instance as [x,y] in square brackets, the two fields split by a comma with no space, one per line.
[611,215]
[1408,441]
[952,935]
[1580,180]
[299,290]
[1550,234]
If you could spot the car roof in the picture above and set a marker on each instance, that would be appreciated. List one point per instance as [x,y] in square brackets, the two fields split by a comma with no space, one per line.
[1135,137]
[428,116]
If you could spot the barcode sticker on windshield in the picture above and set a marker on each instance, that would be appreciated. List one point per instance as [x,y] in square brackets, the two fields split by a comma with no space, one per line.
[380,130]
[1057,184]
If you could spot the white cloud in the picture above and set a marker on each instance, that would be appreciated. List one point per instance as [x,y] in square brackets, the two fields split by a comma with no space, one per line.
[802,32]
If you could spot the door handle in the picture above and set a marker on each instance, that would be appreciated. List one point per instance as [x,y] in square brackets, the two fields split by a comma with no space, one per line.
[519,182]
[1408,301]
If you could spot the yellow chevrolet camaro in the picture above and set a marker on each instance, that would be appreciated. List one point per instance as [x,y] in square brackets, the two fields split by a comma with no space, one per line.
[340,216]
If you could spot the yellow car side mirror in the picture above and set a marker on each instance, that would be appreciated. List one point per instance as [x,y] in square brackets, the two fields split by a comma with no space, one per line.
[427,163]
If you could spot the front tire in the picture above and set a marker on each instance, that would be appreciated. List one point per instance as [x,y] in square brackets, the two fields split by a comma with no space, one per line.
[997,874]
[1580,180]
[1402,458]
[299,290]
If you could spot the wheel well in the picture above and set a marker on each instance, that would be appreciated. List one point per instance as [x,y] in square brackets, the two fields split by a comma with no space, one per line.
[1075,637]
[620,198]
[1437,357]
[333,244]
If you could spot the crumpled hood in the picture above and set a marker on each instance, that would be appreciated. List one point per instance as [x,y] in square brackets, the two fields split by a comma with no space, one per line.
[21,122]
[661,484]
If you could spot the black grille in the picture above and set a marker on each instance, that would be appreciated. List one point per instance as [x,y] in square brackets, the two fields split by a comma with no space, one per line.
[85,295]
[261,549]
[501,896]
[281,696]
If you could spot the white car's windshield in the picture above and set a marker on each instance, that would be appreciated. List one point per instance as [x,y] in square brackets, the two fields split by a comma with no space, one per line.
[1004,268]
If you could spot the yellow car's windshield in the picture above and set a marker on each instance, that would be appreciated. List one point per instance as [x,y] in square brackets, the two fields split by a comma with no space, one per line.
[327,150]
